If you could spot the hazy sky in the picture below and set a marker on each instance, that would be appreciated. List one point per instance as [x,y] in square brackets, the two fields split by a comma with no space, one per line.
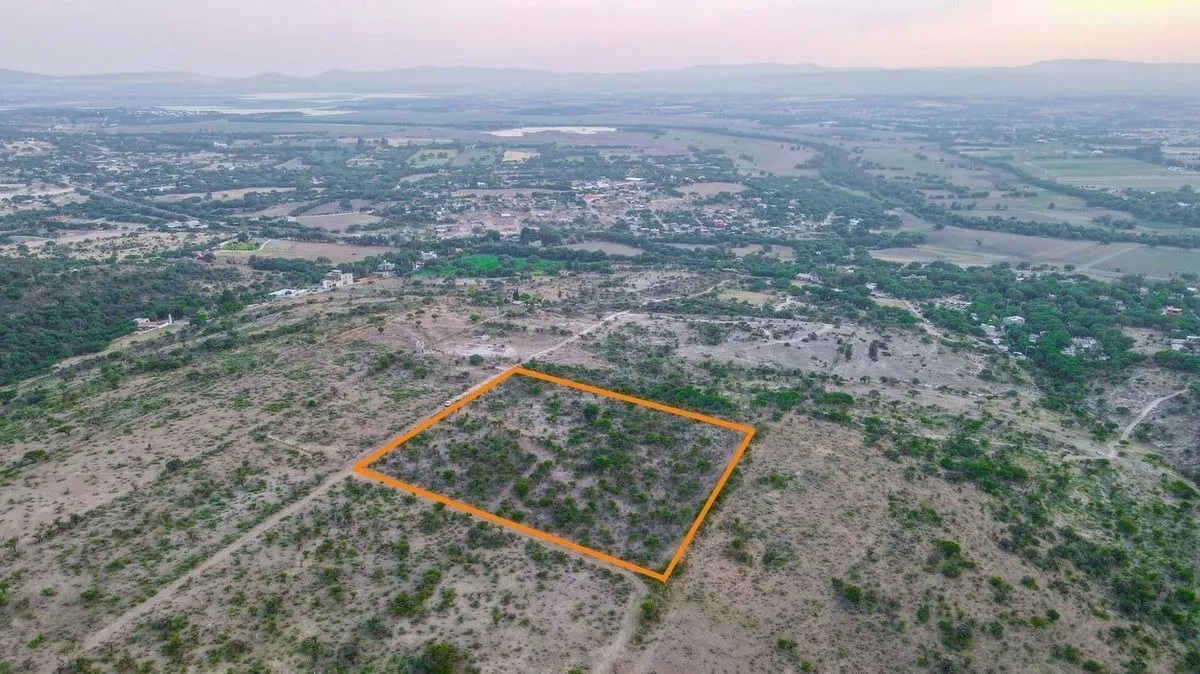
[244,37]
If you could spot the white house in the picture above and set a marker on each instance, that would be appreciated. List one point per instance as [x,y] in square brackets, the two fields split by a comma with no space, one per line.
[145,324]
[337,279]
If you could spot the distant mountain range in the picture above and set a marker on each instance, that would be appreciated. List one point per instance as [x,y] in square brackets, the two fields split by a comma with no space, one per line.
[1071,78]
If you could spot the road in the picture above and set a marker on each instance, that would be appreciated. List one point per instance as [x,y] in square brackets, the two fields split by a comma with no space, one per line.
[174,215]
[1113,450]
[166,594]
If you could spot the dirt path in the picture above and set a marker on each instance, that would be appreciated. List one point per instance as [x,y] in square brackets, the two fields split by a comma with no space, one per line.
[1106,258]
[607,659]
[1142,417]
[1113,452]
[933,329]
[167,593]
[612,317]
[575,337]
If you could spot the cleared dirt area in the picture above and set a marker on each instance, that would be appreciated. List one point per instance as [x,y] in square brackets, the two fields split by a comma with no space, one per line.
[709,189]
[309,250]
[775,252]
[337,221]
[608,247]
[220,195]
[335,207]
[518,155]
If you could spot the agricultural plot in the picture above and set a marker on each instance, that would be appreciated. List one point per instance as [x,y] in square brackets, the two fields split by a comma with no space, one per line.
[616,478]
[966,247]
[607,247]
[433,158]
[220,195]
[312,250]
[1156,262]
[483,264]
[1105,172]
[337,221]
[477,156]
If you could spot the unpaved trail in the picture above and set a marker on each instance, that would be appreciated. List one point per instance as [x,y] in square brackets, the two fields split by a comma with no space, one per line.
[575,337]
[1113,449]
[612,317]
[167,593]
[607,659]
[164,595]
[1142,417]
[933,329]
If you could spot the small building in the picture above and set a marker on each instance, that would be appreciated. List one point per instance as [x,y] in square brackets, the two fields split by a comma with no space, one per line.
[1085,343]
[1013,320]
[1178,345]
[337,279]
[1170,310]
[146,324]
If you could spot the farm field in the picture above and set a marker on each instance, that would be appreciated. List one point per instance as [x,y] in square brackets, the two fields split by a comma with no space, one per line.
[220,195]
[486,265]
[1104,172]
[775,252]
[1155,262]
[977,248]
[607,247]
[1101,171]
[311,250]
[750,155]
[433,158]
[518,155]
[337,221]
[709,189]
[477,155]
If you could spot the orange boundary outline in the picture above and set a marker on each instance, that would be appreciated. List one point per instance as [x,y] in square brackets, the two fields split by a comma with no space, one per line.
[362,469]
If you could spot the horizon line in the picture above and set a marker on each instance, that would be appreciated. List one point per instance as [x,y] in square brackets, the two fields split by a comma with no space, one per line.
[747,64]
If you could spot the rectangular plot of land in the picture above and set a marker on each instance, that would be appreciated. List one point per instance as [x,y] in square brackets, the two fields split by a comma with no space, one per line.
[611,476]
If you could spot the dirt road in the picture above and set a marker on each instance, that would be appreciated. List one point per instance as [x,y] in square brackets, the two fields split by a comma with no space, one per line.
[166,594]
[607,658]
[1142,417]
